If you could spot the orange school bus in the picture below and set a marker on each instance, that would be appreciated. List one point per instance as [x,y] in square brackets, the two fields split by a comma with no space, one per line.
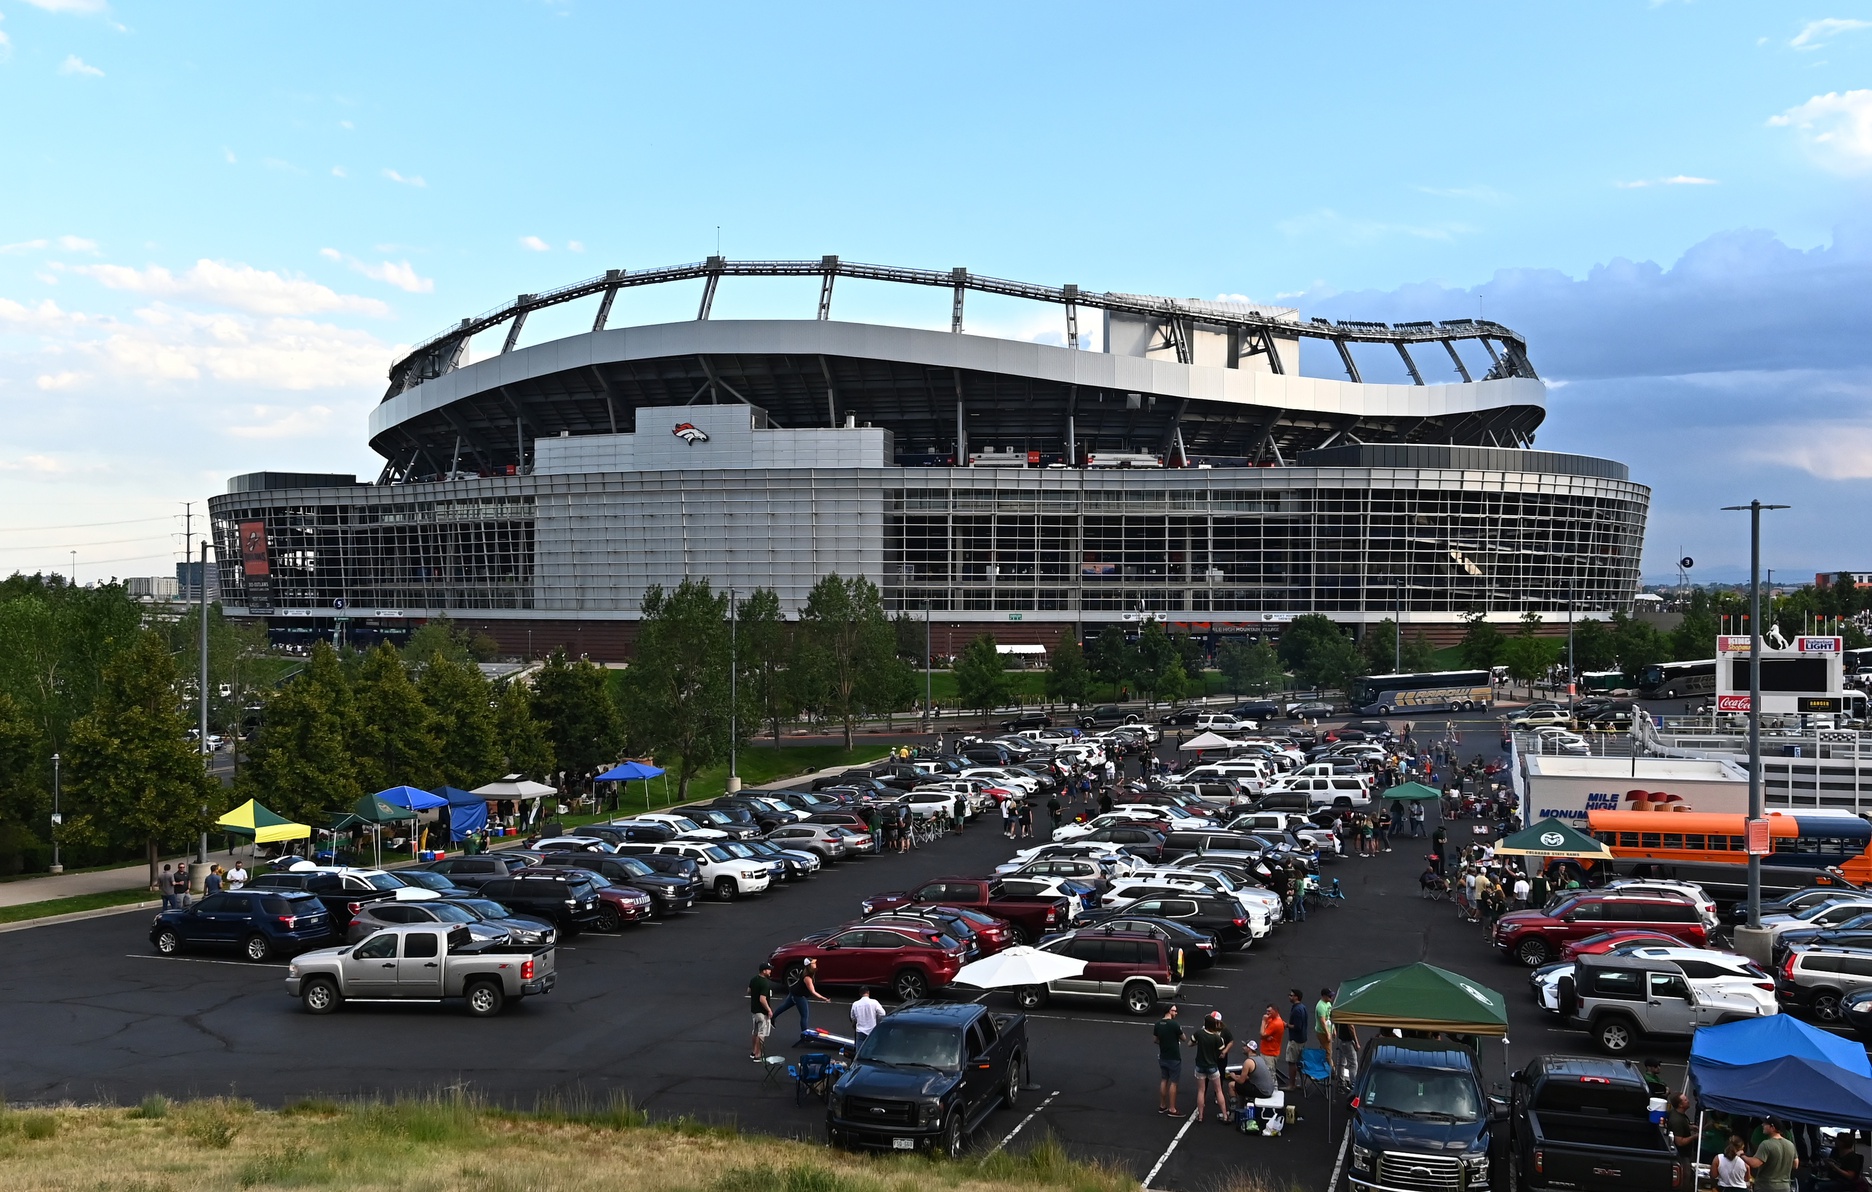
[1809,848]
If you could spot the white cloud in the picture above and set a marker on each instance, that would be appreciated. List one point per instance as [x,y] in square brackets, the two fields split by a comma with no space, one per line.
[83,7]
[68,243]
[77,244]
[406,180]
[242,287]
[45,317]
[1830,451]
[1326,223]
[331,254]
[74,65]
[6,46]
[23,246]
[1837,128]
[1673,180]
[59,380]
[227,155]
[339,172]
[281,422]
[575,246]
[1817,33]
[400,274]
[534,244]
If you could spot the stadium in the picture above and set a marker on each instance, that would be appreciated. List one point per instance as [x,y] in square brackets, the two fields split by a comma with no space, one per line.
[1184,469]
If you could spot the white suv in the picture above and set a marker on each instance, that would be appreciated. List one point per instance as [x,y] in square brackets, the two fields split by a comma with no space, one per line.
[726,874]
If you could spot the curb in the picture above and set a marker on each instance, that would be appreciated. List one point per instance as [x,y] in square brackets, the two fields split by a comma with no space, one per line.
[79,916]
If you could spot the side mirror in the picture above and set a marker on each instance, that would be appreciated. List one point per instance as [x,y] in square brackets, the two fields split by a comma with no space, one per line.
[1498,1109]
[830,946]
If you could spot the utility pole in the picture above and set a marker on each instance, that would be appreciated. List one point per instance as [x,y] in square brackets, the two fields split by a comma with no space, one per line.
[1397,629]
[929,680]
[1755,648]
[734,694]
[58,819]
[201,854]
[1570,684]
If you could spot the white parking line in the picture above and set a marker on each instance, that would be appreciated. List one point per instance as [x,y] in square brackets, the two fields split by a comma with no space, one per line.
[1339,1164]
[1023,1123]
[202,960]
[1165,1157]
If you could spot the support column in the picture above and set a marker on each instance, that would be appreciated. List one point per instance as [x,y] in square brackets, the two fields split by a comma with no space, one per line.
[519,321]
[830,265]
[1072,316]
[962,460]
[604,304]
[708,288]
[959,276]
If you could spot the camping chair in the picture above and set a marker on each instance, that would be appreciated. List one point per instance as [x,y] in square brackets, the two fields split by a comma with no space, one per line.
[812,1075]
[1315,1072]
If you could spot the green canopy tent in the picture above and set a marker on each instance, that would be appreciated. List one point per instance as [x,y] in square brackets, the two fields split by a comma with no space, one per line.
[1409,792]
[375,811]
[1552,838]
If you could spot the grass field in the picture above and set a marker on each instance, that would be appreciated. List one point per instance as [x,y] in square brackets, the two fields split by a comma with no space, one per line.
[439,1144]
[66,906]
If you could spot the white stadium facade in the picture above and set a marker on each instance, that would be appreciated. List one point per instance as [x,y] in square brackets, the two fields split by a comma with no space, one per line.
[1186,470]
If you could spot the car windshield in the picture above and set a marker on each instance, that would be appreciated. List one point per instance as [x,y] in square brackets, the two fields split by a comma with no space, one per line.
[634,867]
[383,881]
[483,908]
[453,914]
[685,824]
[903,1043]
[1424,1092]
[716,853]
[428,881]
[736,850]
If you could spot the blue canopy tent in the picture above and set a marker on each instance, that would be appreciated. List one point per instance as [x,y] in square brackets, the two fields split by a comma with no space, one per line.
[1795,1088]
[630,772]
[467,812]
[1758,1040]
[413,799]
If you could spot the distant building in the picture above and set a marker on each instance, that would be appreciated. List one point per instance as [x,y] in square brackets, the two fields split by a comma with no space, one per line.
[151,587]
[188,581]
[1860,579]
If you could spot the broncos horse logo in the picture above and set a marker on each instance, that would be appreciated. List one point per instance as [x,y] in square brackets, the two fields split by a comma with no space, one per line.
[690,433]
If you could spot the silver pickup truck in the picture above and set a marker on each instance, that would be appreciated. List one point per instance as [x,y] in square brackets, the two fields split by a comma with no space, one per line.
[422,962]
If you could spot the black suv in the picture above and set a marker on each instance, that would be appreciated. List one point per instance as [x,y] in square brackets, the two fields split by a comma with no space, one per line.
[568,899]
[1222,918]
[471,873]
[672,892]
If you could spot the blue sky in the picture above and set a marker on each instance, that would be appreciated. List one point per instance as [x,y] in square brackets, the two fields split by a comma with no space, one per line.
[218,222]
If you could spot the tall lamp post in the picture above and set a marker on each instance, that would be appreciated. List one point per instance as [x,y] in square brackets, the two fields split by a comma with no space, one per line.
[1397,629]
[734,695]
[929,674]
[57,818]
[1570,678]
[1754,509]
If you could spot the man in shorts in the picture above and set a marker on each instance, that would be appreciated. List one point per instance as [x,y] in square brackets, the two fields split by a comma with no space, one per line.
[1297,1020]
[1169,1038]
[760,1004]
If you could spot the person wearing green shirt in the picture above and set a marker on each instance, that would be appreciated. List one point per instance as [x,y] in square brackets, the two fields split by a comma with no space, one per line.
[1213,1042]
[1169,1038]
[1323,1023]
[1775,1161]
[760,1005]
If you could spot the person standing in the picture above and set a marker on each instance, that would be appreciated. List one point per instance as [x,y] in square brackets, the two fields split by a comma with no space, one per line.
[1439,844]
[1053,809]
[865,1013]
[1273,1037]
[1523,890]
[237,876]
[1169,1038]
[165,886]
[1007,816]
[1729,1171]
[1213,1043]
[801,993]
[760,1006]
[1323,1023]
[1296,1033]
[182,897]
[1296,897]
[1416,819]
[1775,1160]
[212,883]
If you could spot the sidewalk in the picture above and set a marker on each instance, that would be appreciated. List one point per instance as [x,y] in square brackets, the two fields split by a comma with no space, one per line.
[71,885]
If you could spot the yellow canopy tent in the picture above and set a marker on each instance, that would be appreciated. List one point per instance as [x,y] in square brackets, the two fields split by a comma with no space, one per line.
[265,827]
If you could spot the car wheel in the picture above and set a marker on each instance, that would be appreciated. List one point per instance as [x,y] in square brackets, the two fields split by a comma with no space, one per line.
[607,920]
[953,1137]
[792,974]
[1030,997]
[320,996]
[1825,1005]
[910,985]
[1139,998]
[1531,952]
[485,999]
[724,889]
[1616,1035]
[1017,935]
[1010,1092]
[256,948]
[168,942]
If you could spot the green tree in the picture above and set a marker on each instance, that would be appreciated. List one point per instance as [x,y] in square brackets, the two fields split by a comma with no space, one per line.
[982,681]
[440,635]
[845,642]
[1171,683]
[573,701]
[1528,656]
[524,748]
[1112,658]
[132,764]
[1593,648]
[468,744]
[1068,681]
[1319,653]
[1637,644]
[763,649]
[1254,669]
[395,742]
[677,700]
[1419,654]
[1695,635]
[1482,643]
[302,766]
[22,799]
[1155,654]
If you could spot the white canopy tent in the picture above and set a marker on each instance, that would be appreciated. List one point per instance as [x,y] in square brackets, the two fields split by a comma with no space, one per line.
[1206,741]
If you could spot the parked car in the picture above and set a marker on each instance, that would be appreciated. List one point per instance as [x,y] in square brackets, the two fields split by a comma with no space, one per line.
[471,873]
[1535,936]
[1833,890]
[734,822]
[1136,971]
[427,963]
[828,841]
[909,963]
[1027,720]
[343,890]
[670,893]
[1224,918]
[1621,940]
[1584,1124]
[927,1077]
[520,929]
[1140,840]
[378,915]
[1107,716]
[1704,968]
[1541,718]
[1856,1012]
[1827,914]
[729,876]
[1309,710]
[664,863]
[626,832]
[1419,1117]
[440,885]
[1853,933]
[257,923]
[1624,1000]
[1200,948]
[618,904]
[1029,918]
[565,897]
[1818,981]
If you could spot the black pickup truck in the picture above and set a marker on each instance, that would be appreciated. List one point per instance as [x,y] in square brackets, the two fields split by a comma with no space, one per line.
[927,1077]
[1420,1118]
[1581,1125]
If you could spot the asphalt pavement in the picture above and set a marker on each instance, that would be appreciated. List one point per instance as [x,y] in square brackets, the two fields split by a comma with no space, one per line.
[659,1012]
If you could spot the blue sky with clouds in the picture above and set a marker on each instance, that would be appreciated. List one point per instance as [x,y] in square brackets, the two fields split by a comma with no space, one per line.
[218,222]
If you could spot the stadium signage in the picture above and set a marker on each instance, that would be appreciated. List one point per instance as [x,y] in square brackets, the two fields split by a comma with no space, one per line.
[690,433]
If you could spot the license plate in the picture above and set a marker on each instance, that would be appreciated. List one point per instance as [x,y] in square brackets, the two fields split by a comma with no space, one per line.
[903,1144]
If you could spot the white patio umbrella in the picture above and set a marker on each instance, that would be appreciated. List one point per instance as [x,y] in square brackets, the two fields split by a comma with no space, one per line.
[515,787]
[1012,968]
[1202,741]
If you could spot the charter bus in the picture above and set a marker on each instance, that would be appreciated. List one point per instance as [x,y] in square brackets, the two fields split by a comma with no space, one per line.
[1677,680]
[1809,848]
[1427,691]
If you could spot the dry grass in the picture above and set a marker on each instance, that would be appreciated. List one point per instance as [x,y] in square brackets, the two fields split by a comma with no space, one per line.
[439,1144]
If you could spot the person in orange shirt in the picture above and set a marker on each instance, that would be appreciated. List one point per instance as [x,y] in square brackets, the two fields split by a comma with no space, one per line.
[1273,1033]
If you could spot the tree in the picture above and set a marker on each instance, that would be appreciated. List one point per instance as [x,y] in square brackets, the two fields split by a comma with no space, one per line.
[1695,635]
[1190,651]
[1319,653]
[132,764]
[524,748]
[302,765]
[1593,648]
[1112,659]
[1419,654]
[572,700]
[677,700]
[1155,655]
[763,646]
[395,742]
[1527,656]
[437,636]
[982,681]
[1637,644]
[1482,643]
[1171,683]
[1254,669]
[468,746]
[1068,681]
[845,642]
[1381,648]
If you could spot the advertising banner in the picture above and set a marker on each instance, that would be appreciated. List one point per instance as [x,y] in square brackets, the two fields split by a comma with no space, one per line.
[256,570]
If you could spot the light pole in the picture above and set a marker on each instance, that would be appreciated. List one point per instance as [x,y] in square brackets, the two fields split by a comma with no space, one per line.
[734,695]
[57,819]
[1397,629]
[1569,648]
[929,675]
[202,679]
[1755,648]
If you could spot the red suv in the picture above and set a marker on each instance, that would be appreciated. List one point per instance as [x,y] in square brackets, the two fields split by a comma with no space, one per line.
[1535,937]
[907,962]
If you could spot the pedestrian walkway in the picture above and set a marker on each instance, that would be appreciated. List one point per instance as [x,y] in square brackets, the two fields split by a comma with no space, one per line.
[71,885]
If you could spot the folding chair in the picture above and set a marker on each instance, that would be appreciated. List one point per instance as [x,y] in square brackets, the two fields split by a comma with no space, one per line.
[1315,1072]
[810,1075]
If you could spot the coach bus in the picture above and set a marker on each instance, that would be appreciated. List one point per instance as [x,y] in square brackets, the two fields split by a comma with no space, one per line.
[1426,691]
[1677,680]
[1808,848]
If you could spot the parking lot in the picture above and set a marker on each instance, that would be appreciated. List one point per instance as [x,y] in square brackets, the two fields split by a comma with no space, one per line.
[659,1012]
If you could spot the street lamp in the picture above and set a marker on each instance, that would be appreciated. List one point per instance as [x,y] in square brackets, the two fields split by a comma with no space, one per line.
[57,819]
[734,695]
[1397,629]
[1569,648]
[1755,648]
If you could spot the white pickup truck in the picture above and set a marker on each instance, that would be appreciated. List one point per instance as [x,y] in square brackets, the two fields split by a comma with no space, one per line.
[422,962]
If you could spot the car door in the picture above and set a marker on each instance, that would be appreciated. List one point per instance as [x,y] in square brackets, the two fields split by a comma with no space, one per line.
[1668,1007]
[978,1067]
[370,969]
[874,957]
[211,921]
[419,969]
[841,958]
[1090,949]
